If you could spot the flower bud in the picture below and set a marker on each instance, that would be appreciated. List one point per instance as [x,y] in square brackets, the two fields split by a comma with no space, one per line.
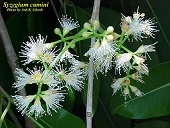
[49,45]
[87,26]
[57,31]
[126,92]
[86,34]
[96,24]
[110,29]
[135,90]
[109,38]
[65,31]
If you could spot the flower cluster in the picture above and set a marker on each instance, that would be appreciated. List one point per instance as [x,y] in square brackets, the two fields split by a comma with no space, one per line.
[49,71]
[59,69]
[103,51]
[133,63]
[109,50]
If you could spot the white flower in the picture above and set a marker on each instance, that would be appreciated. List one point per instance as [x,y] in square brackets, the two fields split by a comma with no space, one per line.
[22,102]
[22,79]
[116,86]
[66,56]
[93,51]
[138,27]
[105,49]
[102,55]
[67,24]
[119,83]
[145,49]
[137,76]
[50,81]
[106,65]
[35,74]
[48,56]
[138,60]
[123,61]
[136,91]
[59,74]
[77,65]
[74,79]
[36,109]
[142,69]
[149,27]
[126,92]
[70,79]
[52,99]
[33,49]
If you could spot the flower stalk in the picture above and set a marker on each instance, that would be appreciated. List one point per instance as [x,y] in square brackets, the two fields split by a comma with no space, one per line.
[89,104]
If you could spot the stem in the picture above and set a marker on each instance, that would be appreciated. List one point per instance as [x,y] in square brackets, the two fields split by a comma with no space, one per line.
[69,37]
[89,114]
[126,49]
[89,106]
[4,113]
[39,89]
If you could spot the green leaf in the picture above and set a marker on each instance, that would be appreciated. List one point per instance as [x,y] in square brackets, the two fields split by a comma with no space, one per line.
[155,102]
[62,119]
[154,124]
[34,23]
[106,120]
[38,23]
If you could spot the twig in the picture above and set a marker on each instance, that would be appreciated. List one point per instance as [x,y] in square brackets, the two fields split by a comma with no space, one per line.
[11,56]
[54,9]
[89,113]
